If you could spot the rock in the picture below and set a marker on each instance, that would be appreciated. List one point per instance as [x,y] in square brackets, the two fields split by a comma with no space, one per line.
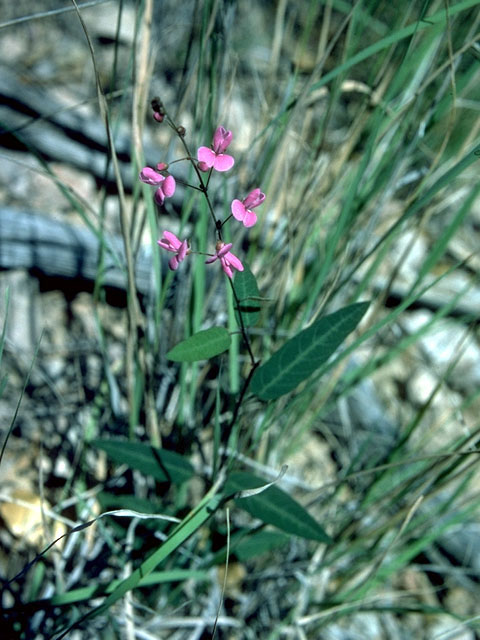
[445,342]
[420,385]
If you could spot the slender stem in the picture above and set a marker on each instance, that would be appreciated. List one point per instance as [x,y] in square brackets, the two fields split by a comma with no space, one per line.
[189,158]
[209,176]
[228,431]
[242,324]
[227,219]
[187,184]
[255,363]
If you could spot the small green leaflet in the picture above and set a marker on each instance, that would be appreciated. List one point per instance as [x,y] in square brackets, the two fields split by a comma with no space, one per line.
[305,352]
[248,295]
[274,506]
[201,346]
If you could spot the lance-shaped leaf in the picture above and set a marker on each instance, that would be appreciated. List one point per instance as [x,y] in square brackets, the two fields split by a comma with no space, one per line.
[163,465]
[304,353]
[201,346]
[274,506]
[248,295]
[259,543]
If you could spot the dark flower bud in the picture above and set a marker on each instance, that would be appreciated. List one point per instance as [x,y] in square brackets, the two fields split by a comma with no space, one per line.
[157,105]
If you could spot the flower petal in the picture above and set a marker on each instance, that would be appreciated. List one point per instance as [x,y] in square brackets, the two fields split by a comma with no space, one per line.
[182,252]
[254,199]
[234,261]
[206,155]
[165,245]
[221,139]
[238,210]
[218,138]
[223,162]
[223,250]
[150,176]
[159,196]
[212,259]
[250,218]
[172,239]
[173,263]
[168,187]
[226,268]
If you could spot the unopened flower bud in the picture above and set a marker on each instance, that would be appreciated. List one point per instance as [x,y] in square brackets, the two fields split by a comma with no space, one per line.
[157,105]
[162,166]
[181,131]
[202,166]
[158,116]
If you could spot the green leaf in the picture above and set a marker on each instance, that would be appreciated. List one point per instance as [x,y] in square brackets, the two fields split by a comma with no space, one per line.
[248,295]
[274,506]
[201,346]
[163,465]
[304,353]
[258,543]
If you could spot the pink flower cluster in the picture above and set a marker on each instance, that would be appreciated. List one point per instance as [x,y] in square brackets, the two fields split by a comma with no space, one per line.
[209,158]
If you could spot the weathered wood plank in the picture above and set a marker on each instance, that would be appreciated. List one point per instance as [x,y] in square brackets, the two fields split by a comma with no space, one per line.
[59,249]
[32,119]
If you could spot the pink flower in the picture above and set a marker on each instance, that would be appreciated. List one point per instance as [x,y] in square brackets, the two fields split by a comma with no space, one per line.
[165,190]
[166,186]
[170,242]
[215,157]
[242,209]
[227,259]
